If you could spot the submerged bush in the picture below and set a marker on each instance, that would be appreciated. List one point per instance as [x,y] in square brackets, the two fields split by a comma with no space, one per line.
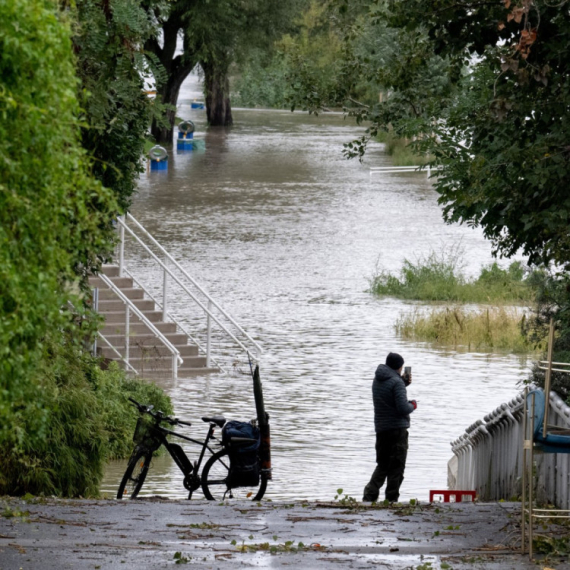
[439,277]
[88,420]
[400,151]
[496,328]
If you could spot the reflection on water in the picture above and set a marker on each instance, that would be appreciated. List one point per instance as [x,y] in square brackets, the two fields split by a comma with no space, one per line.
[284,233]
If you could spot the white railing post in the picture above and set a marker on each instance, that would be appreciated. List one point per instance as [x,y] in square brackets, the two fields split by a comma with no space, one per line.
[164,290]
[121,249]
[127,326]
[209,337]
[428,169]
[95,307]
[175,366]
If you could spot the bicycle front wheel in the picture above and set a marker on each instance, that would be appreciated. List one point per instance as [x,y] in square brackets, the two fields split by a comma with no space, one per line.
[215,477]
[135,474]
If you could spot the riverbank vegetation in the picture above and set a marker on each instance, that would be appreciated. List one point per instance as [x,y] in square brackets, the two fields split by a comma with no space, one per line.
[71,137]
[438,276]
[476,88]
[399,150]
[483,329]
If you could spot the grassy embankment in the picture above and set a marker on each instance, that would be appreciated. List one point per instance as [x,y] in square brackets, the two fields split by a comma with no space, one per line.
[502,324]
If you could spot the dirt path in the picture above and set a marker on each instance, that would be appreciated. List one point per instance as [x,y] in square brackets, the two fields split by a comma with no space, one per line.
[61,534]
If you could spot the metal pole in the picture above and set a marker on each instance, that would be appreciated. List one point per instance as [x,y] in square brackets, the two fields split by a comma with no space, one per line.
[127,326]
[531,480]
[547,379]
[174,366]
[121,249]
[164,290]
[524,466]
[95,306]
[428,171]
[209,337]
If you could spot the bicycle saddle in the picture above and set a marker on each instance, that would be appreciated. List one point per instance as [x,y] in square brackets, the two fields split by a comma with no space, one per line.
[218,420]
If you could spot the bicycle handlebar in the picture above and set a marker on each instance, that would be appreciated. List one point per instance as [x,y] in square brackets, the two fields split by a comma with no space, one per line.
[159,416]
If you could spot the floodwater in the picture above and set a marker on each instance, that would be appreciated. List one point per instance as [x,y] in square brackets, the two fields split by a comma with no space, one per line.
[285,233]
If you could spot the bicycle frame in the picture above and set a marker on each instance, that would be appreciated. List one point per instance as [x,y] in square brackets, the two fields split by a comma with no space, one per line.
[190,471]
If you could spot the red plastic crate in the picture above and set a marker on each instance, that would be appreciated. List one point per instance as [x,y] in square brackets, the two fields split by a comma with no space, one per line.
[457,496]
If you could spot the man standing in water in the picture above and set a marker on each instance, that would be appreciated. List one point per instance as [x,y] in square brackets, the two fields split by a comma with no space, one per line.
[391,421]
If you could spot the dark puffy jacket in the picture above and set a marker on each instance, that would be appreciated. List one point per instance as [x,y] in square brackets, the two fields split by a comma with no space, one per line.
[391,407]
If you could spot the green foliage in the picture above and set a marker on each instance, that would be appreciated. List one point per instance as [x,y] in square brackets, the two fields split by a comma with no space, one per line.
[553,301]
[495,328]
[439,277]
[478,86]
[54,218]
[399,149]
[261,83]
[119,416]
[88,420]
[112,66]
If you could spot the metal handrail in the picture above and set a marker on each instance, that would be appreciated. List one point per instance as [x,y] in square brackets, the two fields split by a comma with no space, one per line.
[191,279]
[127,364]
[176,358]
[172,318]
[395,169]
[167,270]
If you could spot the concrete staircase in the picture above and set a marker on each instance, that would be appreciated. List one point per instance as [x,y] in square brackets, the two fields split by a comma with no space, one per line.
[147,354]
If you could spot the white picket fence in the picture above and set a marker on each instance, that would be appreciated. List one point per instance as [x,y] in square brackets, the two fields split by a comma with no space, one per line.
[488,457]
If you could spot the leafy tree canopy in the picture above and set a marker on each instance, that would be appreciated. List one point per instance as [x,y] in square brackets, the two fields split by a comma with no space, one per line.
[484,89]
[54,216]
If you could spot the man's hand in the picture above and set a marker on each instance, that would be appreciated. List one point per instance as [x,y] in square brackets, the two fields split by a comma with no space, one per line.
[414,403]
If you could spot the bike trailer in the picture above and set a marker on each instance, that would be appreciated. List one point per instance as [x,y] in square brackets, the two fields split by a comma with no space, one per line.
[244,455]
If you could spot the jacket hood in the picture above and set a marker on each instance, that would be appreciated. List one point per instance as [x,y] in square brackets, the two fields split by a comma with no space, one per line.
[384,372]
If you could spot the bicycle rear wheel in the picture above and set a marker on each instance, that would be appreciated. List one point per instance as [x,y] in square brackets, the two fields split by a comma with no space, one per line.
[135,474]
[215,476]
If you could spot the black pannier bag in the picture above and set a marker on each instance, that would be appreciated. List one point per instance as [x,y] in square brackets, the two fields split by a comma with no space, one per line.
[244,456]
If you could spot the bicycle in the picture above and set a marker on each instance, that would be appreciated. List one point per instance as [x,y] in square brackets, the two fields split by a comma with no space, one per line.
[215,481]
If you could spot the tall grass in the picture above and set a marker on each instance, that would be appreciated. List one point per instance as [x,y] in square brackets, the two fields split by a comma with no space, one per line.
[439,277]
[492,328]
[398,149]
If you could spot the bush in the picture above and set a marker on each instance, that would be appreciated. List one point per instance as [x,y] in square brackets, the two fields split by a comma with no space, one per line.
[494,328]
[88,421]
[119,416]
[55,219]
[438,277]
[400,151]
[552,301]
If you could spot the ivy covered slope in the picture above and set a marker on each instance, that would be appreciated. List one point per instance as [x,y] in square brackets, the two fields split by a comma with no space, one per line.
[56,408]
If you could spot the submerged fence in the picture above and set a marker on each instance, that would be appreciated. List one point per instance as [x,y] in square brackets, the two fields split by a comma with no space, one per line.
[488,457]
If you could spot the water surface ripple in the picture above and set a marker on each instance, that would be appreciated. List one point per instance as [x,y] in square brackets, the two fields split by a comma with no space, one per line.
[284,232]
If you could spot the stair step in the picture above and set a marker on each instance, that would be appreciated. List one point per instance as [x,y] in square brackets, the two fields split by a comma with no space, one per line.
[182,372]
[119,317]
[129,292]
[163,363]
[185,350]
[110,270]
[121,282]
[145,339]
[116,305]
[136,328]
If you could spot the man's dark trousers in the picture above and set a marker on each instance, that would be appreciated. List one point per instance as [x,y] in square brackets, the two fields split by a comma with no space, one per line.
[391,453]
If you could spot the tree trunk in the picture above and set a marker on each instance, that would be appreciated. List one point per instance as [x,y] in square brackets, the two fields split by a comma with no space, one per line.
[168,95]
[217,86]
[177,69]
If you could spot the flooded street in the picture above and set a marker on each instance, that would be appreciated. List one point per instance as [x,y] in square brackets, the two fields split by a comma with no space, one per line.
[285,233]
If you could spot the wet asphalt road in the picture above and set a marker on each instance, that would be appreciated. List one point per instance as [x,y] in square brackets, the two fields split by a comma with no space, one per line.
[80,534]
